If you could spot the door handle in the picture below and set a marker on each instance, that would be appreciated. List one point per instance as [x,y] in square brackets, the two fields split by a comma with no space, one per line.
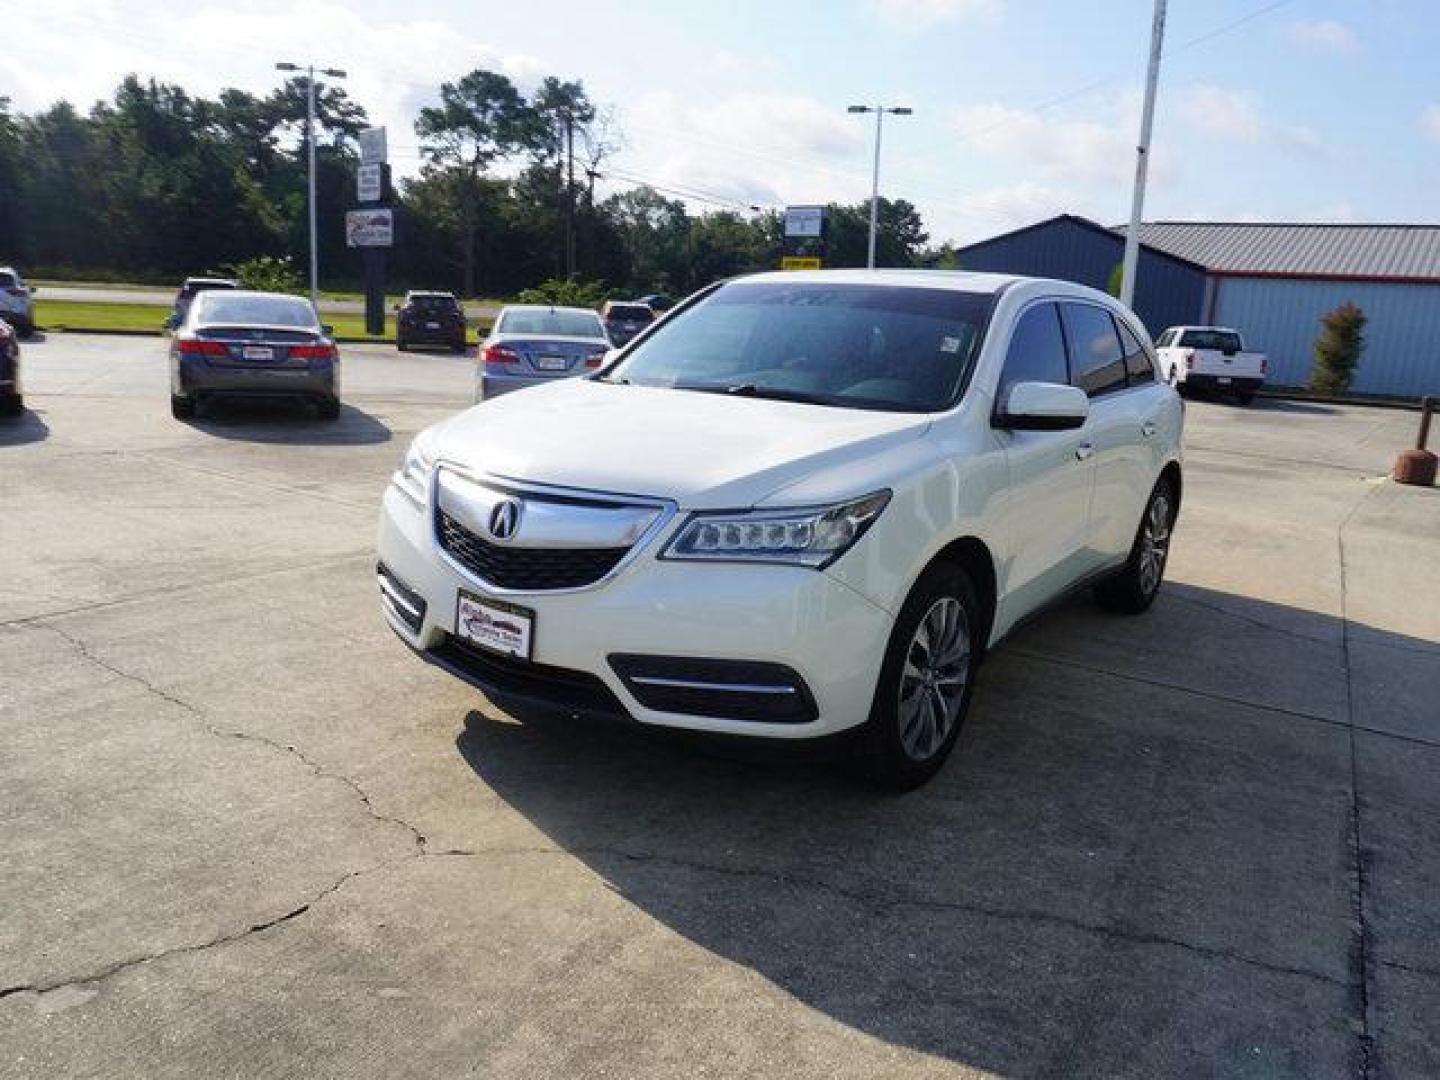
[1083,451]
[1148,428]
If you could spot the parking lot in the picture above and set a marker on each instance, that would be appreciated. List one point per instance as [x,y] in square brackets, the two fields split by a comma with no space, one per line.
[244,832]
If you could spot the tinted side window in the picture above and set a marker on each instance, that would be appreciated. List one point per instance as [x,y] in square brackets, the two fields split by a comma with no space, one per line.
[1137,361]
[1037,351]
[1095,354]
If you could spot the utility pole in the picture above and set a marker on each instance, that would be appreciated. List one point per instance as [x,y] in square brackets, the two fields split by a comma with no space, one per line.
[1142,159]
[334,73]
[879,111]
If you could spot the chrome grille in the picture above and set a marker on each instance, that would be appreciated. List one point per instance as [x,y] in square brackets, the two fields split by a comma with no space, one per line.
[528,568]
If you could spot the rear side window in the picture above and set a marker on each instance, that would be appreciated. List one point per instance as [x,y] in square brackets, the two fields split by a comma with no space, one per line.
[1138,365]
[1097,361]
[1037,351]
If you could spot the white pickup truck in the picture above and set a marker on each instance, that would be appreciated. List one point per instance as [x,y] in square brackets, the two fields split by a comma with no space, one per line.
[1210,358]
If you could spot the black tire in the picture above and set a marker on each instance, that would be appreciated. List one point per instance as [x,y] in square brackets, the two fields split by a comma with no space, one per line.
[401,345]
[457,347]
[1135,587]
[11,404]
[1244,397]
[328,409]
[903,748]
[182,408]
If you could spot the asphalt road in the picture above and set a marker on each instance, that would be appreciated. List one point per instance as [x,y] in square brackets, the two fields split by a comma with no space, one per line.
[245,833]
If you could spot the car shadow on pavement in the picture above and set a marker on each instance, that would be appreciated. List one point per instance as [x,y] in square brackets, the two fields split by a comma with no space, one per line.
[265,421]
[1291,405]
[28,427]
[1125,869]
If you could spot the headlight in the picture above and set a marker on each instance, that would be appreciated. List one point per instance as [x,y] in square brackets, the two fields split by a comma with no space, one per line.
[814,536]
[413,476]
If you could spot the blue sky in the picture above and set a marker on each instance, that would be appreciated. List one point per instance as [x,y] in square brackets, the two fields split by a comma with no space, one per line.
[1309,110]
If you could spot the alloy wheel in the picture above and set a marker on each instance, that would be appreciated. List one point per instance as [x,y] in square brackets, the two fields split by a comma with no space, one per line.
[1154,543]
[934,678]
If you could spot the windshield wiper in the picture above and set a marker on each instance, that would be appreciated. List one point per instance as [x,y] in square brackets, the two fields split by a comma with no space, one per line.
[769,393]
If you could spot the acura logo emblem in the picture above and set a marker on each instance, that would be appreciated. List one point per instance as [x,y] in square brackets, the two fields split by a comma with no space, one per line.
[504,518]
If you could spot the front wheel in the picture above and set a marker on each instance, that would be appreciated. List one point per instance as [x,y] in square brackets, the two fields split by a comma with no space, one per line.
[1133,589]
[923,692]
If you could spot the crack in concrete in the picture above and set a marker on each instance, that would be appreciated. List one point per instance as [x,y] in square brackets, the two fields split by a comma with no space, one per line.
[1413,969]
[1247,619]
[315,767]
[1361,959]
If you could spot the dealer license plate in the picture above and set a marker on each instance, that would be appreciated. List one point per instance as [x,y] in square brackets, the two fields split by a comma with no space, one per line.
[495,625]
[432,326]
[258,352]
[1224,380]
[551,363]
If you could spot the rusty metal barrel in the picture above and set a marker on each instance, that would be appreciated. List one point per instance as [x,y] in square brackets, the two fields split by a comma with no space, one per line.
[1417,466]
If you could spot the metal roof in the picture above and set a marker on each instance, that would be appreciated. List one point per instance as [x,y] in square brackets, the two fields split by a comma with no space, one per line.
[1302,250]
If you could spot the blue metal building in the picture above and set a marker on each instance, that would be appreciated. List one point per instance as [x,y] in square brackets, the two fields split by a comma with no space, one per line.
[1274,282]
[1169,289]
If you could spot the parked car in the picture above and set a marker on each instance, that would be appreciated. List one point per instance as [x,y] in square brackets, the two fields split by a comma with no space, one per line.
[253,344]
[656,302]
[624,319]
[430,318]
[531,344]
[192,288]
[1211,358]
[12,402]
[804,505]
[17,301]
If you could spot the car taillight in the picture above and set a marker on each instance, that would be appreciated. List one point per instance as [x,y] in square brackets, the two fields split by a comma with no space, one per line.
[1264,365]
[17,290]
[501,354]
[200,347]
[1189,359]
[313,352]
[595,359]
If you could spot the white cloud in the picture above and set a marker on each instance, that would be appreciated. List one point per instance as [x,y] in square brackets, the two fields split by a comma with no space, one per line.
[1430,123]
[1325,34]
[1073,150]
[1235,116]
[920,14]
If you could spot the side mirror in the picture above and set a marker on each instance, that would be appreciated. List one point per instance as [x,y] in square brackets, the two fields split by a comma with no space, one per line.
[171,322]
[1041,406]
[327,329]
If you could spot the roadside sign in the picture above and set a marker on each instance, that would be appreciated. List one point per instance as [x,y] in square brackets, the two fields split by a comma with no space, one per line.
[369,183]
[369,228]
[804,220]
[372,146]
[799,262]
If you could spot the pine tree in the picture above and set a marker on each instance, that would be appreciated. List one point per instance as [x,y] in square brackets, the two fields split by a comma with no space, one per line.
[1338,349]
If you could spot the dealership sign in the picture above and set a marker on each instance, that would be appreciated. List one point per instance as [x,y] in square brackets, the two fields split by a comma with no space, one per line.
[370,228]
[372,146]
[369,182]
[804,221]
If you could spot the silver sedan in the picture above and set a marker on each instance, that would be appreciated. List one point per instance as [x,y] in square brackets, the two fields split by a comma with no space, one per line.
[531,344]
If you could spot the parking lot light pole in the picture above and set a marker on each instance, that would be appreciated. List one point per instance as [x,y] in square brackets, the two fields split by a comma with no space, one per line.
[879,111]
[334,73]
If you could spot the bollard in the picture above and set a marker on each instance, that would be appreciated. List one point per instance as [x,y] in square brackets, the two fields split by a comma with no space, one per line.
[1417,466]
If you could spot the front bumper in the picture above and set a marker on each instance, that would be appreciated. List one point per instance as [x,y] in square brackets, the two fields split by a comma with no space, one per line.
[772,617]
[443,334]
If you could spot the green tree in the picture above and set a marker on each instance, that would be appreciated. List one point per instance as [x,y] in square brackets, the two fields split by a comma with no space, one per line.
[1337,349]
[481,119]
[565,292]
[655,232]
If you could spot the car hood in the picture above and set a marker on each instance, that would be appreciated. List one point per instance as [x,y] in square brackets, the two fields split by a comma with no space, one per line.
[701,450]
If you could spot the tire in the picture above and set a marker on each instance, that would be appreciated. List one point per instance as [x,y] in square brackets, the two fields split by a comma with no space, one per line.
[11,404]
[902,745]
[1244,397]
[182,408]
[1135,587]
[457,347]
[329,409]
[401,345]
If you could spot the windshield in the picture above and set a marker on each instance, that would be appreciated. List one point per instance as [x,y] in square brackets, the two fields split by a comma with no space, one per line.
[220,307]
[1224,340]
[562,322]
[865,346]
[630,312]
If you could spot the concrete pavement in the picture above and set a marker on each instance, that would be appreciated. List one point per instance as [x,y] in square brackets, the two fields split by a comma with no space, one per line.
[245,833]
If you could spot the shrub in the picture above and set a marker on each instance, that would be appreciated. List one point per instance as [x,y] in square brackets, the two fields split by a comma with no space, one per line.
[1338,349]
[268,273]
[564,292]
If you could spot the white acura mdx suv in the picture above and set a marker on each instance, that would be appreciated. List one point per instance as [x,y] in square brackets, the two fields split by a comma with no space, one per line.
[803,504]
